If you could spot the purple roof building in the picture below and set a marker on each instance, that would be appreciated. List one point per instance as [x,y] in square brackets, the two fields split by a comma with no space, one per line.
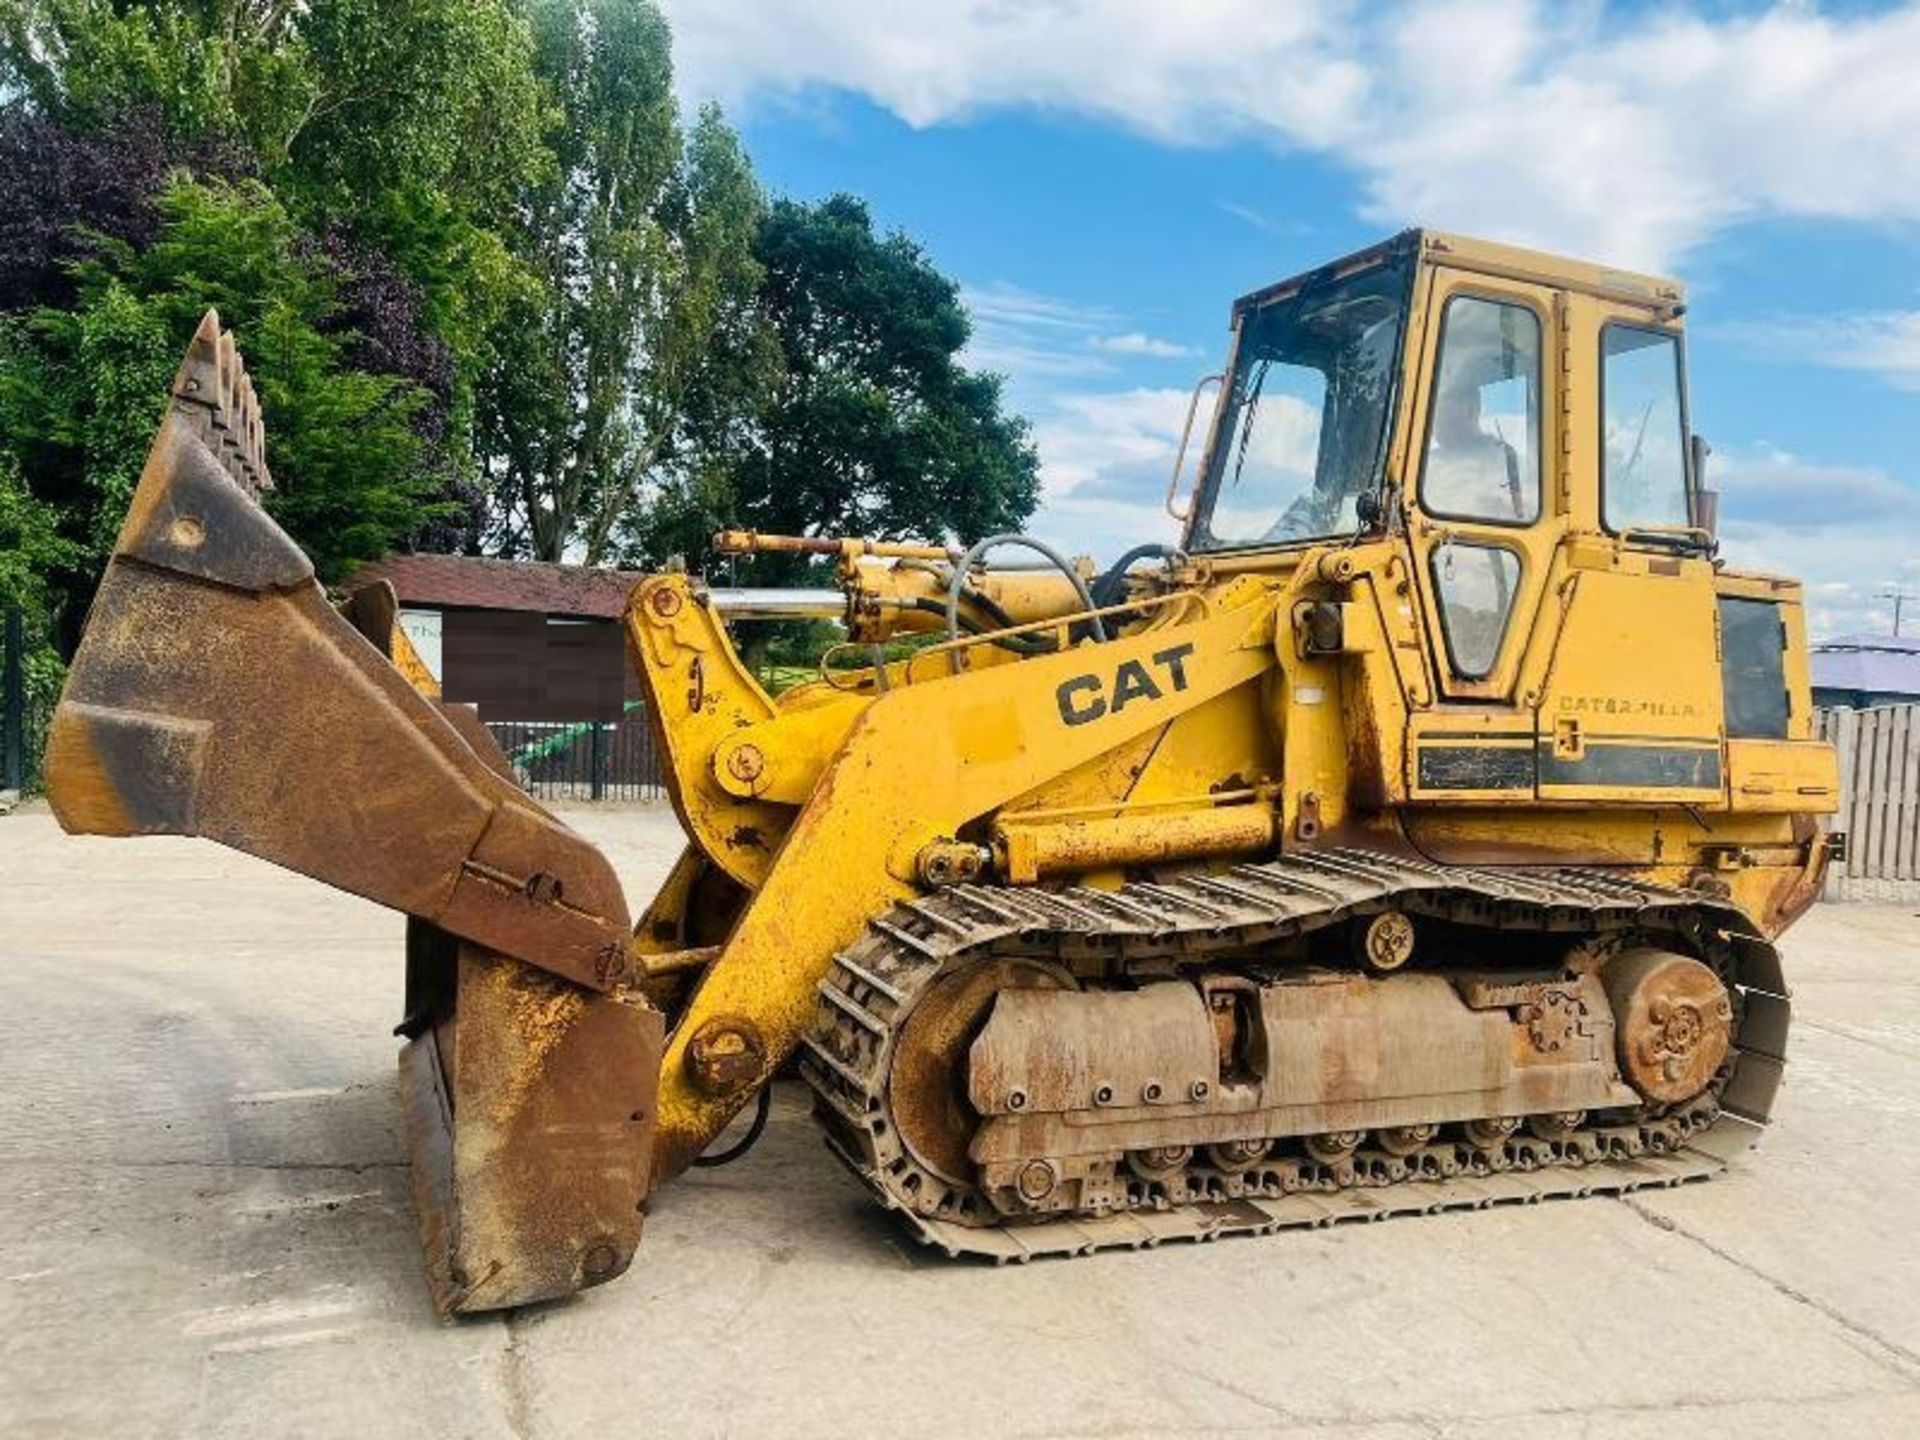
[1864,670]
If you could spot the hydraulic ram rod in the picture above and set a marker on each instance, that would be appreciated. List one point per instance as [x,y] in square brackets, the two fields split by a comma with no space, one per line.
[743,603]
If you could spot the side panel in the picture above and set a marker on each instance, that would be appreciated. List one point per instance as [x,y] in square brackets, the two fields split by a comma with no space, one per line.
[1631,711]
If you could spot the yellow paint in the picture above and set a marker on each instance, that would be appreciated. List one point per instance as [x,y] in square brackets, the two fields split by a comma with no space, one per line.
[890,600]
[912,771]
[699,693]
[1607,673]
[407,661]
[1029,850]
[1771,776]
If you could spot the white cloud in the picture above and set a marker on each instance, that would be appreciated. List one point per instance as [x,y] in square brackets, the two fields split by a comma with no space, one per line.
[1136,343]
[1111,443]
[1884,343]
[1008,304]
[1626,137]
[1138,61]
[1040,338]
[1266,224]
[1770,486]
[1105,457]
[1849,532]
[1031,336]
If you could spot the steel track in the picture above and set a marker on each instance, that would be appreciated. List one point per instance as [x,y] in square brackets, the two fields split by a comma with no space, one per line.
[874,985]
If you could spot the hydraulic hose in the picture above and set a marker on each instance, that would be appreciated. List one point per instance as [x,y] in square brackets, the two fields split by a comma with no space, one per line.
[1019,644]
[1040,547]
[762,1105]
[1108,589]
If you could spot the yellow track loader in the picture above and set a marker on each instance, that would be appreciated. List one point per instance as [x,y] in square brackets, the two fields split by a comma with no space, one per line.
[1412,835]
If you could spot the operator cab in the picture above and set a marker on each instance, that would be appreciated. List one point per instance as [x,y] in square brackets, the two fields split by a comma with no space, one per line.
[1506,434]
[1317,438]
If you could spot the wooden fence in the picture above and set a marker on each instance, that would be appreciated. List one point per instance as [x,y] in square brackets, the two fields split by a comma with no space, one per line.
[1879,801]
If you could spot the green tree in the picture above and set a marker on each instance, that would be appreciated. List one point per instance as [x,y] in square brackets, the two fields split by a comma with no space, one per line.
[472,248]
[398,134]
[424,123]
[346,102]
[32,550]
[874,426]
[641,237]
[82,389]
[31,547]
[211,67]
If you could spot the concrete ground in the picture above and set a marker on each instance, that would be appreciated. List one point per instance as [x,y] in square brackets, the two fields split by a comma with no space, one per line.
[205,1230]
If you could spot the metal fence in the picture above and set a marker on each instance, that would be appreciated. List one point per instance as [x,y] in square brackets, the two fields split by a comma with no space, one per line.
[583,761]
[1879,753]
[22,749]
[23,715]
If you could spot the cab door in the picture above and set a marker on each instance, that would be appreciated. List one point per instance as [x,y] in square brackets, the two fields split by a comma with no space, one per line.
[1484,515]
[1631,706]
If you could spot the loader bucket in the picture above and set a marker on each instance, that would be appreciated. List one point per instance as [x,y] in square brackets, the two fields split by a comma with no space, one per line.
[217,693]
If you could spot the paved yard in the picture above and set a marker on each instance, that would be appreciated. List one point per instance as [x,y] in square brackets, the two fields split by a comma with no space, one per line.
[204,1230]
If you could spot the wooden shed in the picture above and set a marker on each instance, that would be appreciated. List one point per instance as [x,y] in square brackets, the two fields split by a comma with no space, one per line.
[520,640]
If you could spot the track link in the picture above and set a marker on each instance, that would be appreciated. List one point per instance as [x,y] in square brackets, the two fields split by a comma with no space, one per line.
[873,987]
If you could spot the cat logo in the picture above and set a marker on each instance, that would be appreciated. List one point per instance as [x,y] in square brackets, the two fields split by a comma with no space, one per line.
[1085,697]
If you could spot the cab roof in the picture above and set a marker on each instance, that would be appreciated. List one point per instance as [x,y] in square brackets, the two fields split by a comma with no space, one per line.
[1463,252]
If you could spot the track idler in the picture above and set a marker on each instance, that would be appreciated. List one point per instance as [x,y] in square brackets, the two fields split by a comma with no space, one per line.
[216,693]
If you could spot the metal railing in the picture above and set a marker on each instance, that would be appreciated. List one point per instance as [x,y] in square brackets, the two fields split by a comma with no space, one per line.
[24,717]
[585,760]
[23,744]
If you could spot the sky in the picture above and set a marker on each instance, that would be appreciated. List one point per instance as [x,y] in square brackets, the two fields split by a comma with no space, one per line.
[1103,177]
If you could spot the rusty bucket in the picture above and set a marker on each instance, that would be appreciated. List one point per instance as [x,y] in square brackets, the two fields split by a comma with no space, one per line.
[217,693]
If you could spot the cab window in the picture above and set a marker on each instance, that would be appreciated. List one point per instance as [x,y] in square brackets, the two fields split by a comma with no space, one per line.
[1476,585]
[1302,440]
[1273,451]
[1643,477]
[1483,427]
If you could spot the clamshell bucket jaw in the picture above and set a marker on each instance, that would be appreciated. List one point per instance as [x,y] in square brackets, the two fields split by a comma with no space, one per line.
[217,693]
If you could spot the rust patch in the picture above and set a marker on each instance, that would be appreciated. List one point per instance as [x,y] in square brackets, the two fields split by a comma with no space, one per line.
[928,1082]
[726,1055]
[530,1108]
[178,715]
[1675,1023]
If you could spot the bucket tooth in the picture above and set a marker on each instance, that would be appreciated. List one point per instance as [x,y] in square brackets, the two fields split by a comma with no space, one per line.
[214,393]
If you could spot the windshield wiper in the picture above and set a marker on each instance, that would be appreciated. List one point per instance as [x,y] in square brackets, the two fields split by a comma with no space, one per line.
[1250,407]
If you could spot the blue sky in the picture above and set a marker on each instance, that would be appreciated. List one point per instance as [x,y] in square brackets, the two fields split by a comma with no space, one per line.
[1104,176]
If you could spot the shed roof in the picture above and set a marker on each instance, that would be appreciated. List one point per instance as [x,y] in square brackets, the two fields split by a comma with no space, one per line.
[1881,664]
[468,582]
